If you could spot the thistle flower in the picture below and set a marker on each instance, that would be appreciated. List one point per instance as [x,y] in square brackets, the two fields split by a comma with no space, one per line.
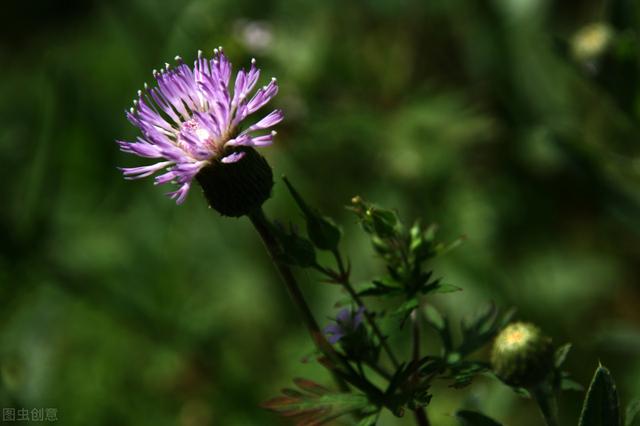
[191,121]
[347,322]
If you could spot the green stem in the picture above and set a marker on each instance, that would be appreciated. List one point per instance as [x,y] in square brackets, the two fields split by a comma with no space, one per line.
[340,368]
[262,225]
[547,404]
[419,413]
[354,295]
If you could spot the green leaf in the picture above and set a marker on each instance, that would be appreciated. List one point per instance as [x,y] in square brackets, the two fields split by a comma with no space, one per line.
[570,385]
[314,404]
[378,222]
[384,222]
[442,248]
[447,288]
[561,354]
[370,420]
[296,250]
[434,317]
[379,288]
[632,412]
[473,418]
[438,321]
[480,329]
[404,310]
[463,373]
[601,405]
[322,231]
[402,372]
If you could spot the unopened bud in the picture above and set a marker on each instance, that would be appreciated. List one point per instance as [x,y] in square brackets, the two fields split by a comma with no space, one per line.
[522,356]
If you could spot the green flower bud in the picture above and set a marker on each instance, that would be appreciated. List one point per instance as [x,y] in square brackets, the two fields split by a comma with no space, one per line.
[237,189]
[522,356]
[591,41]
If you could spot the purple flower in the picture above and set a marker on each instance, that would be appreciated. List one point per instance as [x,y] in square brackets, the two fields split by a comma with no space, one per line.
[346,322]
[192,118]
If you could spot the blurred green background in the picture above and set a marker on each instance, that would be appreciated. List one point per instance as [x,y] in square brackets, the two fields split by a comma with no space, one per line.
[513,122]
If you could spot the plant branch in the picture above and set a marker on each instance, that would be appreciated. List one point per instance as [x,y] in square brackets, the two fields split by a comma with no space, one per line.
[343,278]
[419,413]
[263,226]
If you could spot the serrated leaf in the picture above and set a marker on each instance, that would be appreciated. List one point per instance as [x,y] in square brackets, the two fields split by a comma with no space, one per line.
[473,418]
[601,405]
[632,412]
[561,354]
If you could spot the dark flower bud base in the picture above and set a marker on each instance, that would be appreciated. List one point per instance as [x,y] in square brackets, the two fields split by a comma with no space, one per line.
[237,189]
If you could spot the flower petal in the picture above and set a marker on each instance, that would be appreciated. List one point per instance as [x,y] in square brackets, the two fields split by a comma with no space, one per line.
[232,158]
[270,120]
[144,171]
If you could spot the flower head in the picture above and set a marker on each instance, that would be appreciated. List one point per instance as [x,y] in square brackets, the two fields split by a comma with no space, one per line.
[347,322]
[192,119]
[522,355]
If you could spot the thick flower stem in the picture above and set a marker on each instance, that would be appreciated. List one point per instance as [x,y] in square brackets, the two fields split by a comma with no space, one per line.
[261,225]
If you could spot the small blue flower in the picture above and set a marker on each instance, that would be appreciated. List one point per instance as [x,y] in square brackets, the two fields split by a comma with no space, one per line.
[347,322]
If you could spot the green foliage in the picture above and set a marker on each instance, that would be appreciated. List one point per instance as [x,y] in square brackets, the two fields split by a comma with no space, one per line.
[561,354]
[562,380]
[314,404]
[405,253]
[295,250]
[476,114]
[476,331]
[403,390]
[601,405]
[322,231]
[631,413]
[482,328]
